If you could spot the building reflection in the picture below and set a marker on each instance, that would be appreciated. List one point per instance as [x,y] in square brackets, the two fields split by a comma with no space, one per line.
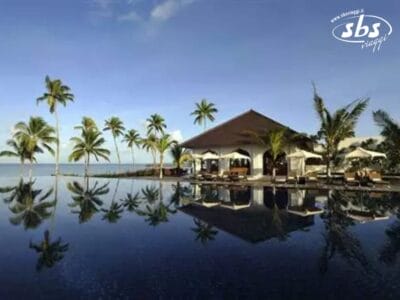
[257,214]
[251,214]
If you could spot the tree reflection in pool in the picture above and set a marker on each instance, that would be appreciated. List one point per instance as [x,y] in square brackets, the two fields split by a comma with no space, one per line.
[203,241]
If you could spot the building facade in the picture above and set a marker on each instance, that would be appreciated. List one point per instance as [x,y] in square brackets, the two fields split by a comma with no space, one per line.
[239,135]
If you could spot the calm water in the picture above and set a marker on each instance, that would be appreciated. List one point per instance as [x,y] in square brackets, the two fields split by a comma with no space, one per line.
[141,239]
[9,170]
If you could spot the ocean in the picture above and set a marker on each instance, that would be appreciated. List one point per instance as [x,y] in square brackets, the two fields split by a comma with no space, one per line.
[13,170]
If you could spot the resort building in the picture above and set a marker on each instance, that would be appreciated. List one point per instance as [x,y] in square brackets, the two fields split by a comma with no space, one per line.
[233,144]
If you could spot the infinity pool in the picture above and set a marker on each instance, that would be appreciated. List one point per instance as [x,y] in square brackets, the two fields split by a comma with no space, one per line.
[71,238]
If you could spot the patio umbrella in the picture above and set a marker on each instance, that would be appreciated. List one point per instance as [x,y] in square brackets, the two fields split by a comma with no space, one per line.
[304,154]
[235,155]
[209,155]
[298,160]
[363,153]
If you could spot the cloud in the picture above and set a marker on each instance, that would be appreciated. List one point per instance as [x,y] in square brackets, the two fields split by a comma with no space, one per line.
[130,17]
[168,9]
[176,135]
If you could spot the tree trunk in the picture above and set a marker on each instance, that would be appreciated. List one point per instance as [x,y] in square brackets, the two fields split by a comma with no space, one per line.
[328,169]
[57,171]
[133,159]
[87,160]
[273,174]
[161,165]
[153,153]
[22,168]
[30,171]
[116,149]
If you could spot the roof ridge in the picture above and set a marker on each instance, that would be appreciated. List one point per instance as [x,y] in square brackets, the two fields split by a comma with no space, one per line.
[220,125]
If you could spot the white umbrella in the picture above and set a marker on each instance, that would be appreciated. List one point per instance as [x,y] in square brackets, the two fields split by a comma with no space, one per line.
[209,155]
[304,154]
[298,160]
[363,153]
[197,156]
[235,155]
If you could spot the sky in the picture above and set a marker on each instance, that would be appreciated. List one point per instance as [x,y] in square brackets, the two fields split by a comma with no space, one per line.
[133,58]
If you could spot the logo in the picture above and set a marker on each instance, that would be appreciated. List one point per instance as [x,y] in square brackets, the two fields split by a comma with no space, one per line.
[356,27]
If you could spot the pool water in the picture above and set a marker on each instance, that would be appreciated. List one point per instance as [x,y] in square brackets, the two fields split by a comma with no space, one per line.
[71,238]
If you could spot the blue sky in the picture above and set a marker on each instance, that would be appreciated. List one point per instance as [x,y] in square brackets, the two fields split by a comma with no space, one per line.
[132,58]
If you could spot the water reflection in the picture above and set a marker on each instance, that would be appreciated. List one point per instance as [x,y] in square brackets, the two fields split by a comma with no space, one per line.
[263,220]
[28,205]
[131,202]
[113,213]
[50,252]
[204,231]
[338,239]
[155,211]
[86,199]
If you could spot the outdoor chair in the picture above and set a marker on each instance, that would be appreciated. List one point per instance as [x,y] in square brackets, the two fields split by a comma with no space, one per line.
[350,178]
[311,178]
[376,178]
[291,178]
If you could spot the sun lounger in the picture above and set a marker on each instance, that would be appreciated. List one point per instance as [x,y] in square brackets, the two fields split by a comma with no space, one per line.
[291,178]
[350,179]
[311,178]
[280,179]
[210,176]
[376,179]
[224,176]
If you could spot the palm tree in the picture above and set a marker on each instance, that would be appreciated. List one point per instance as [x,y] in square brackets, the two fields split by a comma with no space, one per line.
[337,126]
[87,123]
[204,111]
[18,150]
[29,208]
[49,252]
[34,136]
[155,125]
[162,145]
[180,156]
[116,126]
[90,144]
[149,144]
[391,133]
[87,199]
[56,93]
[275,141]
[132,138]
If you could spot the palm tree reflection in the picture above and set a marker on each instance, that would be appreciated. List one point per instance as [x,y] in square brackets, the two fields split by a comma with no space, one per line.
[338,240]
[49,252]
[155,211]
[131,202]
[390,251]
[113,213]
[27,204]
[86,201]
[204,232]
[151,193]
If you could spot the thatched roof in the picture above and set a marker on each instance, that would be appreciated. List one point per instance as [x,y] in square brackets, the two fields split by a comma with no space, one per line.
[235,132]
